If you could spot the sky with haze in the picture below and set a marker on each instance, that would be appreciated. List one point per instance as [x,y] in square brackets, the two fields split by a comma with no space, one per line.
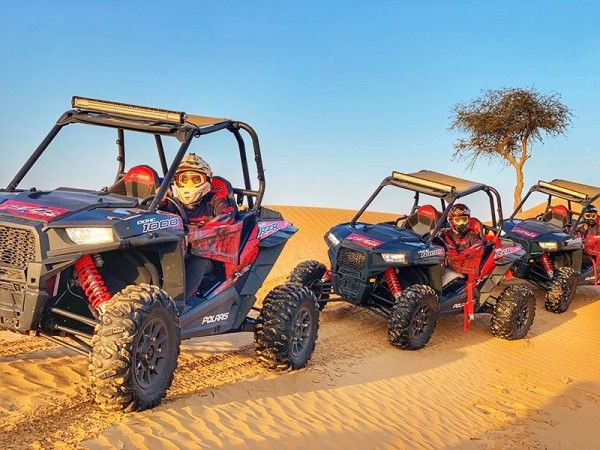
[341,93]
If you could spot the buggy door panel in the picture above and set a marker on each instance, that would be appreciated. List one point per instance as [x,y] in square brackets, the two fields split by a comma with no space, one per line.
[220,243]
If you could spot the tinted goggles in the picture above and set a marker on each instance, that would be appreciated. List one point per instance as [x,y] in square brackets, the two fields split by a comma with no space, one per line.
[590,216]
[190,179]
[459,220]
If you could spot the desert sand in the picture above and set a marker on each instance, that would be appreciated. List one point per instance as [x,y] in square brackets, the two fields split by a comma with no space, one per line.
[461,391]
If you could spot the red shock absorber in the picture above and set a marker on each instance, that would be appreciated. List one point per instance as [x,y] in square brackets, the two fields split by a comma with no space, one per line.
[392,281]
[91,281]
[326,276]
[547,264]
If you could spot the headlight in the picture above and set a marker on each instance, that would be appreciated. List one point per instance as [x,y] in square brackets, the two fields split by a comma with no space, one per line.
[335,241]
[82,236]
[394,257]
[549,246]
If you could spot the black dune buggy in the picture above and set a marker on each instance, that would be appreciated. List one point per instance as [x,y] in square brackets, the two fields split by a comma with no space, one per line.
[397,268]
[555,258]
[102,272]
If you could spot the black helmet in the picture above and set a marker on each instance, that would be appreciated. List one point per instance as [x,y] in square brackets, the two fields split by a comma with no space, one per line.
[459,216]
[590,214]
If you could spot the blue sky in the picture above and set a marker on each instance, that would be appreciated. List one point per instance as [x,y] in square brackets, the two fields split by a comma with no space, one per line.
[341,93]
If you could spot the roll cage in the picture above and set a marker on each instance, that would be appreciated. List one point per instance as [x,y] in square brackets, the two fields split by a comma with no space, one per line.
[445,187]
[571,192]
[158,122]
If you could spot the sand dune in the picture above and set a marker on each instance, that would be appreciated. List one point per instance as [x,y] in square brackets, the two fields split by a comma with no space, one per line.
[461,391]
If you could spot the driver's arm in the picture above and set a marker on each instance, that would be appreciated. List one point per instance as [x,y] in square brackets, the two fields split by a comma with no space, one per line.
[223,212]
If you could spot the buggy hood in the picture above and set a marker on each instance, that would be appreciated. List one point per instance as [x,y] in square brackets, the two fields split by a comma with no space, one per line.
[61,204]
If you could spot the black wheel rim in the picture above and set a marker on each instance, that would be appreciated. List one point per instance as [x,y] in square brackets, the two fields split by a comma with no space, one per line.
[150,353]
[301,328]
[522,318]
[419,323]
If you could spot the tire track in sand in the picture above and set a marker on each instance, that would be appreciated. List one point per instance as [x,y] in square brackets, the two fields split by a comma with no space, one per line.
[79,418]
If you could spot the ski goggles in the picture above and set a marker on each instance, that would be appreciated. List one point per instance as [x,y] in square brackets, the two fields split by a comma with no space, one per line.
[190,179]
[590,216]
[460,220]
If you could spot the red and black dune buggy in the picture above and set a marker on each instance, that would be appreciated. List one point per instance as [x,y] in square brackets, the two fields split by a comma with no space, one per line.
[398,269]
[556,259]
[102,271]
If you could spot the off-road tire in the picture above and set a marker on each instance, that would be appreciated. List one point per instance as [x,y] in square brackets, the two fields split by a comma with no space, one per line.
[405,328]
[562,290]
[309,273]
[276,337]
[513,313]
[127,324]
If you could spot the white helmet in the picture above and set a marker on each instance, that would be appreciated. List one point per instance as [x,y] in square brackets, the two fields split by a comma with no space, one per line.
[192,180]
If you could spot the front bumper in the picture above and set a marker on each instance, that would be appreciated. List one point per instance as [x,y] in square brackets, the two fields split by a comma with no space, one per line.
[21,298]
[20,306]
[350,275]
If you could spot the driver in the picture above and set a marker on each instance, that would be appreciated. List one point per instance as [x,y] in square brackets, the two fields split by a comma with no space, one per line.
[460,236]
[589,226]
[191,188]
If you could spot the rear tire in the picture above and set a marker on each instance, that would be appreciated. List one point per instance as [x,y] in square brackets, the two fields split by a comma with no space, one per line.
[513,313]
[286,329]
[414,317]
[134,349]
[562,290]
[309,274]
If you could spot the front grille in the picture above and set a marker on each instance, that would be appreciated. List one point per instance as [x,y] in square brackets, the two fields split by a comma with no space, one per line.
[351,259]
[17,247]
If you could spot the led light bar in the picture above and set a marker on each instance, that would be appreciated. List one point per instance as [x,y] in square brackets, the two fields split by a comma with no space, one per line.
[421,182]
[561,189]
[123,109]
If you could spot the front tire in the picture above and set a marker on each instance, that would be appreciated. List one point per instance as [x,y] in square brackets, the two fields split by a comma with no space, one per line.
[134,349]
[414,317]
[513,313]
[562,290]
[286,329]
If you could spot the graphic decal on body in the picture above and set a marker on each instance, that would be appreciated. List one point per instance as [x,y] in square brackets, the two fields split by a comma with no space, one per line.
[363,241]
[152,224]
[31,210]
[524,232]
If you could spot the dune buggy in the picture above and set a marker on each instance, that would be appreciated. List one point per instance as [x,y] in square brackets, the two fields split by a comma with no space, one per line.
[102,272]
[555,258]
[397,268]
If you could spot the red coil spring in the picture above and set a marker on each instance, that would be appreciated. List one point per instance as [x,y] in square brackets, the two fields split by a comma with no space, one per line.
[91,281]
[392,281]
[547,264]
[326,276]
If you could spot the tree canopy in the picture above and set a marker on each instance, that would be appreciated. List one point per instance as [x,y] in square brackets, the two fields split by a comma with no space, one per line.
[504,122]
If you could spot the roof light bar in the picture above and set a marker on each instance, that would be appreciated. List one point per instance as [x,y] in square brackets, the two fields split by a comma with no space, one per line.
[421,182]
[143,112]
[556,188]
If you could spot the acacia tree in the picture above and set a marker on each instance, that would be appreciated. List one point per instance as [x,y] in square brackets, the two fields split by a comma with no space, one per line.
[504,123]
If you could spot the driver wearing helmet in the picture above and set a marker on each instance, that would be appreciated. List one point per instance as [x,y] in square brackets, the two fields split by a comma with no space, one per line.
[192,189]
[460,236]
[589,226]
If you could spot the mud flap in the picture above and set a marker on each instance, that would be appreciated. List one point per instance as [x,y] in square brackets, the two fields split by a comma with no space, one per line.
[468,313]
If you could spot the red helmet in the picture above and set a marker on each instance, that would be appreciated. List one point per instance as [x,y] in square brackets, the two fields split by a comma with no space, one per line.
[459,217]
